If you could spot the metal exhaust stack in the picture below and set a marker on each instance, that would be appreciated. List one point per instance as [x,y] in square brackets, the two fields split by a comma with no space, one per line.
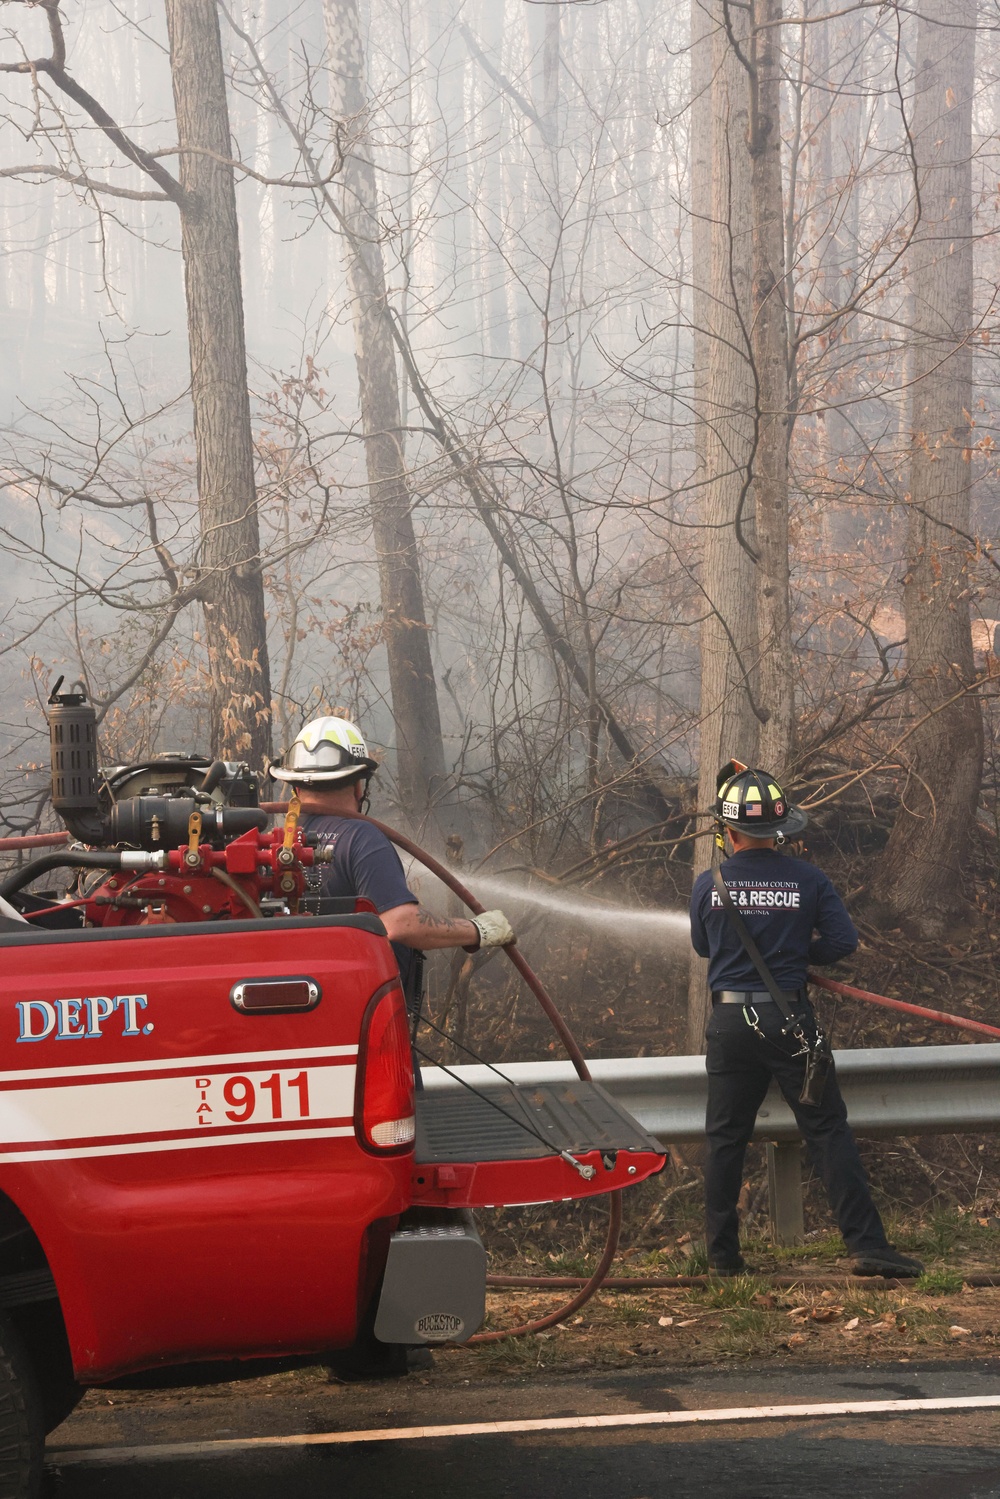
[73,747]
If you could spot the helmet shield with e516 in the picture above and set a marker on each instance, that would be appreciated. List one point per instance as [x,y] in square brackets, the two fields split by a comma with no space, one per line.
[753,802]
[327,752]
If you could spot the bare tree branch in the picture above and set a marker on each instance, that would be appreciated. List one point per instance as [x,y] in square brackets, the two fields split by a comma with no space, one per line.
[109,189]
[54,67]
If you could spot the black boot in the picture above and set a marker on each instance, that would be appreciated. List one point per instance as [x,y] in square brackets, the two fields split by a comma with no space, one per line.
[888,1262]
[728,1267]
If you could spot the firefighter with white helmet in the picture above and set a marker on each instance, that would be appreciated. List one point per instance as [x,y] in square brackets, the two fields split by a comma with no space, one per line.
[329,767]
[327,752]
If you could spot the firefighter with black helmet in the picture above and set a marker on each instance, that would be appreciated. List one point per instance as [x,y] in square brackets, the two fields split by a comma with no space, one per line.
[329,768]
[794,917]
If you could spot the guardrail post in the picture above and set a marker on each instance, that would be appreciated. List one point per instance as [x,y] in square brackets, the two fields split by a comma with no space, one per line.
[784,1187]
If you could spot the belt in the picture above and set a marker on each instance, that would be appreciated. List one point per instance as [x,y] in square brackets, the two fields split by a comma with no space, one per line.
[752,996]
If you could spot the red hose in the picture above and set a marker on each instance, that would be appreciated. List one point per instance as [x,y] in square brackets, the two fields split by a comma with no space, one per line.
[654,1282]
[64,905]
[690,1282]
[445,875]
[577,1058]
[33,840]
[573,1051]
[583,1296]
[940,1017]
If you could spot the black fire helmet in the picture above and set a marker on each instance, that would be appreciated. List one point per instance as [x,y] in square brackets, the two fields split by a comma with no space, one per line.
[753,801]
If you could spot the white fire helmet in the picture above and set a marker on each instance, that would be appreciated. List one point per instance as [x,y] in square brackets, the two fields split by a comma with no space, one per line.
[326,752]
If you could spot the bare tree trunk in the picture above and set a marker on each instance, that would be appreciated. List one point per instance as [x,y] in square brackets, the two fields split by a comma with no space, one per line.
[769,352]
[419,749]
[703,237]
[834,196]
[495,208]
[546,98]
[700,168]
[729,723]
[921,875]
[231,584]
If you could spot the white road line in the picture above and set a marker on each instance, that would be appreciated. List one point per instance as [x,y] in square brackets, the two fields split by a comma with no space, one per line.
[64,1457]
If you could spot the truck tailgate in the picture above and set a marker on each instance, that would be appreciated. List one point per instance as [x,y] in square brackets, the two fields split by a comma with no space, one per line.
[501,1144]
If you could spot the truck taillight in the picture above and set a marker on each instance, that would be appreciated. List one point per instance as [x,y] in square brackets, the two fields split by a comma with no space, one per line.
[383,1113]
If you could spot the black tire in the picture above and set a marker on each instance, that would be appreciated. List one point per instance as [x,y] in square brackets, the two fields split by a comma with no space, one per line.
[22,1435]
[40,1328]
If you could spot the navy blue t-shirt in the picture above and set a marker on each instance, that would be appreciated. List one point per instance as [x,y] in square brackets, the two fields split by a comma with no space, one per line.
[364,863]
[784,902]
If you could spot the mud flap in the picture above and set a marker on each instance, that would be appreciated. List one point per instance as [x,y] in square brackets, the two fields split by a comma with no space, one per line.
[434,1288]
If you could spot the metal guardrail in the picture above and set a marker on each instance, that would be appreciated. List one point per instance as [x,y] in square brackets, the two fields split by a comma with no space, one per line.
[909,1090]
[913,1090]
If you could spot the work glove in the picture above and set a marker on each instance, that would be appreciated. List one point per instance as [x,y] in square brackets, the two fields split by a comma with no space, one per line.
[494,930]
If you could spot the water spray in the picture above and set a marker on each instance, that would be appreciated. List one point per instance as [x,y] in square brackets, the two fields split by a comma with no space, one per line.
[648,929]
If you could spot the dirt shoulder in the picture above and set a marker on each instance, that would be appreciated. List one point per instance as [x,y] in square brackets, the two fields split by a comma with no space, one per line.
[740,1319]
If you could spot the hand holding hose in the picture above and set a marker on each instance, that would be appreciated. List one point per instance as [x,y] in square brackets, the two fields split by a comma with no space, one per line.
[494,930]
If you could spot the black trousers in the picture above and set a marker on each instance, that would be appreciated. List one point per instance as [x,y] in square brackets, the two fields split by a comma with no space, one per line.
[741,1064]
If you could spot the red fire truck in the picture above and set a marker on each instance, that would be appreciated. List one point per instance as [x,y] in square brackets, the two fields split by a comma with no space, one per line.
[211,1146]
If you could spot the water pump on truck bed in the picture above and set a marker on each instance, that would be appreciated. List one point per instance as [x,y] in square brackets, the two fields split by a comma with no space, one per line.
[172,839]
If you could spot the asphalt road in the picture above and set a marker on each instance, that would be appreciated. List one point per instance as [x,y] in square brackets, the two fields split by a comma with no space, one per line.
[918,1456]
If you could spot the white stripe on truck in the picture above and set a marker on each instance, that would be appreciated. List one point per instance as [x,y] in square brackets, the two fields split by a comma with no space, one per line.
[145,1146]
[204,1105]
[232,1060]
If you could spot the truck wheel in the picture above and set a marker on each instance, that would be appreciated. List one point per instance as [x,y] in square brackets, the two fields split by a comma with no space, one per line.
[22,1437]
[40,1328]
